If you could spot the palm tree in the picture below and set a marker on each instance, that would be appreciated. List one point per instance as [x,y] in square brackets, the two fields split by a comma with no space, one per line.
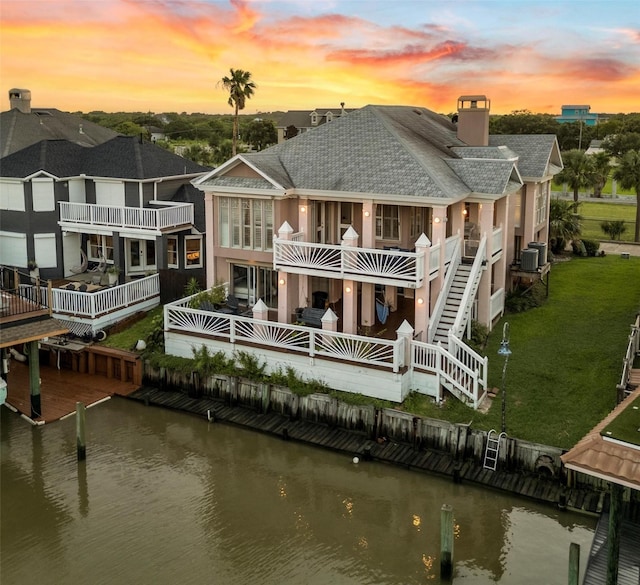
[600,169]
[564,223]
[627,173]
[240,88]
[577,167]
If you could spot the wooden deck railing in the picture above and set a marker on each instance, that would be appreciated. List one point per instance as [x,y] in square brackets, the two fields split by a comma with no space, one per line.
[633,350]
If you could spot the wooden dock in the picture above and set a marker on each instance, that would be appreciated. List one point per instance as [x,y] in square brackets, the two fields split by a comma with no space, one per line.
[60,390]
[405,455]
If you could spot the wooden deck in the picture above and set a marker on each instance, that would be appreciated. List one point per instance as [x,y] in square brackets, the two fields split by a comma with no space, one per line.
[60,390]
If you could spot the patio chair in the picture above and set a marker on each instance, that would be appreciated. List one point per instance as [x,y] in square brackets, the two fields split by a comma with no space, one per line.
[233,303]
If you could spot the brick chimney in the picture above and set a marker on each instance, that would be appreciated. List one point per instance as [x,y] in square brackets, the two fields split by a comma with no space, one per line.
[473,119]
[20,99]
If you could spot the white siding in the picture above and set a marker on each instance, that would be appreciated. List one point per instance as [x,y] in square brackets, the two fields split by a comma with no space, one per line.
[45,249]
[110,193]
[12,195]
[43,198]
[13,249]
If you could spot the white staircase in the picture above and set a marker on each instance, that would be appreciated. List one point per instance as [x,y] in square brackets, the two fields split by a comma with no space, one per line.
[452,304]
[492,450]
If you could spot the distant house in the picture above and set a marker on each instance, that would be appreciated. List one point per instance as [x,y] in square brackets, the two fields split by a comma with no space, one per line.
[155,133]
[23,125]
[579,113]
[296,122]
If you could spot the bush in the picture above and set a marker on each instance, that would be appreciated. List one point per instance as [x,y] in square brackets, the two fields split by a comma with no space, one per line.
[479,336]
[614,229]
[522,299]
[585,247]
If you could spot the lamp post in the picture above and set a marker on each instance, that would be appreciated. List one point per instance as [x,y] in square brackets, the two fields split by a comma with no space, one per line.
[506,352]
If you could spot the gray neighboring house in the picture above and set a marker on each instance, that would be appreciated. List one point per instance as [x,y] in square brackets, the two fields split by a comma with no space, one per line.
[23,125]
[296,122]
[124,203]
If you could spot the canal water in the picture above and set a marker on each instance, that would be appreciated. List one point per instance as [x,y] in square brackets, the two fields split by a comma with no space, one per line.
[166,498]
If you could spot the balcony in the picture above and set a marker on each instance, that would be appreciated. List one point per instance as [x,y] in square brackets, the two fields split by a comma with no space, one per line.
[164,216]
[387,267]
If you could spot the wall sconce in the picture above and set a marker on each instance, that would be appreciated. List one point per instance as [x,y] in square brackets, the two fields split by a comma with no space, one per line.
[347,289]
[367,213]
[421,301]
[464,212]
[303,209]
[436,220]
[282,281]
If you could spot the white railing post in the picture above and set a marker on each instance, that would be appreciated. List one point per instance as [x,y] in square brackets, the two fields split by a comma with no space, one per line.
[404,335]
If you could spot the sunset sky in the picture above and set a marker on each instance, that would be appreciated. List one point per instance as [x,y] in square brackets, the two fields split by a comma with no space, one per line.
[168,55]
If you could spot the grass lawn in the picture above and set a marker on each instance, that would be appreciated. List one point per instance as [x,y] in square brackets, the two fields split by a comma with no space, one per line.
[566,355]
[594,213]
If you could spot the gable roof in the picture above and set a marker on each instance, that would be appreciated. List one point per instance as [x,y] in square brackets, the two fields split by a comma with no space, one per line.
[538,154]
[122,157]
[391,151]
[19,130]
[302,118]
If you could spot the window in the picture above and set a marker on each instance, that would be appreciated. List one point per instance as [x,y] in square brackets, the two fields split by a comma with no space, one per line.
[172,251]
[246,223]
[251,283]
[42,194]
[541,205]
[419,222]
[314,119]
[100,246]
[45,250]
[13,249]
[110,193]
[11,196]
[387,222]
[193,251]
[517,209]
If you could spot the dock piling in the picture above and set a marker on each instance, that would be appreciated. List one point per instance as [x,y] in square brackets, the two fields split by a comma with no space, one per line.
[574,563]
[80,431]
[446,542]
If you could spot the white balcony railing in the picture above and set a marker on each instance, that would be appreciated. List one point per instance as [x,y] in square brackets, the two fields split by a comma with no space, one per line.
[138,218]
[392,267]
[93,304]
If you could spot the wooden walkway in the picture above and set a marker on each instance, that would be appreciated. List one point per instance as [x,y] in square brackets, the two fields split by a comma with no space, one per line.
[355,444]
[60,390]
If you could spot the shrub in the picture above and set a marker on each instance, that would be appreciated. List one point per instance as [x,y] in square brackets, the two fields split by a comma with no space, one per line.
[479,336]
[591,247]
[522,299]
[614,229]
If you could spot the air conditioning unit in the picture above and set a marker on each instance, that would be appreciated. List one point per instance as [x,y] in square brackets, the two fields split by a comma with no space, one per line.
[529,260]
[542,251]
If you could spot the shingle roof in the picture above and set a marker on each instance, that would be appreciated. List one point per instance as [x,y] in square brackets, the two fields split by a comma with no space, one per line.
[19,130]
[614,461]
[534,152]
[122,157]
[399,152]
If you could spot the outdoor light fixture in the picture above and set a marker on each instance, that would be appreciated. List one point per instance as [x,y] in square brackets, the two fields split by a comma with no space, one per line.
[464,212]
[282,281]
[367,214]
[303,209]
[436,220]
[347,289]
[420,301]
[506,352]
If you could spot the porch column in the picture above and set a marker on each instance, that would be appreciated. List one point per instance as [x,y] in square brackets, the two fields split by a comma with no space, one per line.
[119,256]
[161,253]
[34,379]
[457,218]
[439,235]
[421,299]
[210,231]
[350,290]
[368,289]
[285,300]
[485,216]
[304,226]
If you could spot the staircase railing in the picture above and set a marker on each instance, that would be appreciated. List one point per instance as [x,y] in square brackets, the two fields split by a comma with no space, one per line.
[464,311]
[436,315]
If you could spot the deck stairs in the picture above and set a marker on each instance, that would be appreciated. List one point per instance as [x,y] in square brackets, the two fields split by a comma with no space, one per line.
[452,304]
[492,450]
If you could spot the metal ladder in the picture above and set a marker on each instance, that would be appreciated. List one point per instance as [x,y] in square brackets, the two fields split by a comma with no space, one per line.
[493,447]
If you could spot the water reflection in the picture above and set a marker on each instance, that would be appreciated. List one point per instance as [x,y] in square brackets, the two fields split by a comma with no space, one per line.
[168,498]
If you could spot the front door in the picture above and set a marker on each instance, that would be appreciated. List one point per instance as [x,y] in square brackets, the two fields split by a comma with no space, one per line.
[141,256]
